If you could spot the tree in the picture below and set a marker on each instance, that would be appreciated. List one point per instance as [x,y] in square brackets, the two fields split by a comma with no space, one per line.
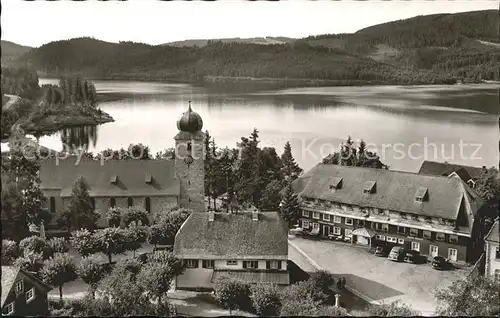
[137,215]
[157,234]
[58,245]
[291,169]
[30,261]
[271,198]
[266,299]
[91,272]
[232,294]
[114,216]
[348,155]
[322,280]
[81,210]
[247,170]
[58,270]
[488,188]
[157,274]
[84,242]
[395,308]
[111,241]
[35,244]
[290,208]
[10,251]
[301,299]
[474,296]
[135,237]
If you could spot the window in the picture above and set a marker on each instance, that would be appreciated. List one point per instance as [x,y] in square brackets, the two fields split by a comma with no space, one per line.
[413,232]
[440,236]
[315,226]
[337,219]
[427,235]
[192,263]
[348,221]
[9,309]
[421,194]
[315,215]
[401,241]
[348,232]
[381,237]
[112,202]
[415,246]
[336,230]
[147,203]
[326,217]
[305,213]
[453,239]
[403,215]
[305,224]
[497,254]
[52,205]
[251,264]
[401,230]
[30,295]
[361,223]
[19,287]
[130,202]
[497,275]
[273,264]
[385,227]
[232,262]
[208,263]
[392,239]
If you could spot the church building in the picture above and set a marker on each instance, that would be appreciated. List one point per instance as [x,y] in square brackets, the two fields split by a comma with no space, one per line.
[155,185]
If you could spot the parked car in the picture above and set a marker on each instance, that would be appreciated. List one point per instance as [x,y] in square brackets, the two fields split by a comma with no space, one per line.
[441,263]
[413,257]
[397,254]
[382,251]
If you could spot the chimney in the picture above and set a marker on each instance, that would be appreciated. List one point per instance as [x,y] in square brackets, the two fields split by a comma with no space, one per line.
[211,216]
[255,215]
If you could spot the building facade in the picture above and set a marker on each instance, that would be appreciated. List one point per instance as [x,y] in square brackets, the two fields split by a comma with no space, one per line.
[492,249]
[23,294]
[249,246]
[433,215]
[154,185]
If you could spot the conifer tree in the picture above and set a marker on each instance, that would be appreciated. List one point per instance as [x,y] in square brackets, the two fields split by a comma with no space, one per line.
[290,206]
[291,169]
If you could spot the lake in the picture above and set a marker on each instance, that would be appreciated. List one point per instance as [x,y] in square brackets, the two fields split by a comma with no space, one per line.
[403,124]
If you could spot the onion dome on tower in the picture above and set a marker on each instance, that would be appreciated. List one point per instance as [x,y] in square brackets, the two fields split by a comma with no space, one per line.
[190,121]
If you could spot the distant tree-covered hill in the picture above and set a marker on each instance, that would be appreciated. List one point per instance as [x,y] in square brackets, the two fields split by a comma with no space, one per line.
[11,50]
[430,49]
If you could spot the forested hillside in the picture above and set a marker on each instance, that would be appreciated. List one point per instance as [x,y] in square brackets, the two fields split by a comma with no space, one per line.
[11,50]
[431,49]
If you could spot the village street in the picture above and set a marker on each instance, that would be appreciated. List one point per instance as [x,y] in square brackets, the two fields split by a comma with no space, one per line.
[377,279]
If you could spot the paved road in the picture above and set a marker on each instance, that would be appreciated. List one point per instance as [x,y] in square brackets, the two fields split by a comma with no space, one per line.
[378,279]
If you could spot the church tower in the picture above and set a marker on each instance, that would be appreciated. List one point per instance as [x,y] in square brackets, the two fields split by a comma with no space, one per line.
[189,161]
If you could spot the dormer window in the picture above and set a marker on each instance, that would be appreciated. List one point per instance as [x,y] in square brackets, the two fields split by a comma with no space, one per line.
[147,177]
[403,215]
[370,187]
[113,179]
[421,195]
[471,183]
[336,183]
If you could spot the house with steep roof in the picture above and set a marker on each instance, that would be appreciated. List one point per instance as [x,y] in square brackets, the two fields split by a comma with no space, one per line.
[492,248]
[434,215]
[248,246]
[155,185]
[468,174]
[23,294]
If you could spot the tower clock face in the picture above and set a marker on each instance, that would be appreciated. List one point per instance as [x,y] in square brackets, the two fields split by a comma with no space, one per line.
[188,160]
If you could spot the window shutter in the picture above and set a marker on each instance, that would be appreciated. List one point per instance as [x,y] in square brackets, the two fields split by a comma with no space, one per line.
[268,264]
[244,264]
[279,264]
[256,264]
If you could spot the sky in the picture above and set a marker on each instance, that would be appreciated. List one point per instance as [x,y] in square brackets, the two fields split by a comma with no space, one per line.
[35,23]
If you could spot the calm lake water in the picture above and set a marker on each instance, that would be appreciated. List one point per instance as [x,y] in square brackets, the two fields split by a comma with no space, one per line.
[404,125]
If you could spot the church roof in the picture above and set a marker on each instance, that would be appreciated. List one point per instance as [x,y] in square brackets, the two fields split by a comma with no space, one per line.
[233,236]
[190,121]
[113,178]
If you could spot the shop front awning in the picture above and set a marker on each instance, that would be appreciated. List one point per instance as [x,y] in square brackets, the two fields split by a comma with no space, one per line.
[364,232]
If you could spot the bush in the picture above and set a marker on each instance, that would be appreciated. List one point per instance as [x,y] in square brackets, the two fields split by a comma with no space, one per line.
[233,294]
[396,308]
[35,244]
[137,215]
[58,245]
[30,261]
[266,299]
[84,242]
[114,216]
[10,251]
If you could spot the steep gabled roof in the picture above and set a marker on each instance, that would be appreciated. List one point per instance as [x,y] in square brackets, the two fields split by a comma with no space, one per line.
[445,169]
[396,190]
[233,235]
[494,233]
[131,177]
[9,276]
